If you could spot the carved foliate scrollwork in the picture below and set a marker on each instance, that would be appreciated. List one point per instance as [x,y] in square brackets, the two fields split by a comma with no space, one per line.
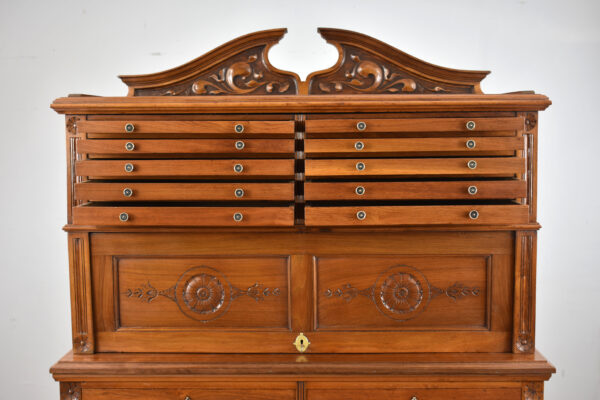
[201,293]
[533,391]
[401,293]
[70,391]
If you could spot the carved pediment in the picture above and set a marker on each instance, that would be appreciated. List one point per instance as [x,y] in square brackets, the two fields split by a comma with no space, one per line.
[239,67]
[365,66]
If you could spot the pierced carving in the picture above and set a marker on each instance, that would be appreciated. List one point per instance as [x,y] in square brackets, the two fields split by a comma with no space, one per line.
[201,293]
[70,391]
[402,292]
[530,121]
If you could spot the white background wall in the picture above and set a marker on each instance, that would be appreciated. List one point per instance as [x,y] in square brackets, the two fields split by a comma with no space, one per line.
[51,48]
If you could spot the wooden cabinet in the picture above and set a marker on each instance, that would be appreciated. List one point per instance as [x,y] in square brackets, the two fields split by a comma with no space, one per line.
[236,232]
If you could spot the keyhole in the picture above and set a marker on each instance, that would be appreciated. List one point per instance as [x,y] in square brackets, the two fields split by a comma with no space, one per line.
[301,343]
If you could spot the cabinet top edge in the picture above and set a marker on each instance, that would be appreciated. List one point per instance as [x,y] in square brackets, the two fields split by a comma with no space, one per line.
[299,104]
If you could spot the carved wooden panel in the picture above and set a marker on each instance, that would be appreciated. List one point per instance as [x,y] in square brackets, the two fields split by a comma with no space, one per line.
[239,67]
[403,292]
[202,292]
[70,391]
[81,293]
[524,313]
[368,66]
[533,391]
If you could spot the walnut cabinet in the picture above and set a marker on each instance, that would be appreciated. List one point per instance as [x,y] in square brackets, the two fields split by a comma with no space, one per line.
[236,232]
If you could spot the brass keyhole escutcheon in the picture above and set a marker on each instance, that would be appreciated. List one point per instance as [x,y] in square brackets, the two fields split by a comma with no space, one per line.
[301,343]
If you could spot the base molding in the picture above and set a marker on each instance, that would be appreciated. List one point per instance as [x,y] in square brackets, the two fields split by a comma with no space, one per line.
[118,376]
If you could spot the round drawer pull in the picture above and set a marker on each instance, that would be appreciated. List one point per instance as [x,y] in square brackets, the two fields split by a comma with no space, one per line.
[359,145]
[470,125]
[473,214]
[129,146]
[189,398]
[471,144]
[472,190]
[360,166]
[129,127]
[238,168]
[239,128]
[127,192]
[123,217]
[361,126]
[412,398]
[359,190]
[240,145]
[472,164]
[361,215]
[129,167]
[239,192]
[238,216]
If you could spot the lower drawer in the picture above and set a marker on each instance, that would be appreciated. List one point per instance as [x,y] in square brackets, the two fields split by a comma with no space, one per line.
[407,393]
[184,216]
[188,394]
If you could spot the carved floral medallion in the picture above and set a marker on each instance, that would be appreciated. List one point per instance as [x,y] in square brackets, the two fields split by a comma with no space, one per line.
[402,292]
[201,293]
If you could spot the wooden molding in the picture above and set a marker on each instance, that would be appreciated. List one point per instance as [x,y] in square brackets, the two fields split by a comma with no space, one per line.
[524,306]
[238,67]
[367,65]
[81,294]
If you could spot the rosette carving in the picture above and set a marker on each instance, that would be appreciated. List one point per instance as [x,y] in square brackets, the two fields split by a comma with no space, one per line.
[202,293]
[402,292]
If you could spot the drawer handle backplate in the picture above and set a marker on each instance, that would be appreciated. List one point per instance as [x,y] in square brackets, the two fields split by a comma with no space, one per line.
[238,216]
[240,145]
[360,166]
[472,164]
[239,128]
[473,214]
[360,190]
[123,217]
[471,144]
[127,192]
[470,125]
[239,192]
[361,215]
[361,126]
[238,168]
[129,167]
[359,146]
[472,190]
[129,127]
[129,146]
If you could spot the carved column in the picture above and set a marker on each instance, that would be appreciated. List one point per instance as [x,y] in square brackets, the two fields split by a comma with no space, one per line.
[81,293]
[524,306]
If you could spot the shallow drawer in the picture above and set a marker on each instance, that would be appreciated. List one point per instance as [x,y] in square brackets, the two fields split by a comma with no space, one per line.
[188,394]
[184,216]
[419,393]
[222,127]
[129,191]
[185,168]
[468,190]
[416,215]
[413,125]
[187,146]
[412,145]
[499,166]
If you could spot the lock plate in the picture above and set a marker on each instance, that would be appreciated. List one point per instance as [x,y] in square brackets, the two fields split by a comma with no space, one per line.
[301,343]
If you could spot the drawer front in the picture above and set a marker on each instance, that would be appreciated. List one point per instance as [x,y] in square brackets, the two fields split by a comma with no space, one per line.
[229,147]
[417,393]
[185,168]
[136,191]
[501,166]
[468,145]
[202,293]
[188,393]
[369,125]
[134,127]
[432,190]
[416,215]
[184,216]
